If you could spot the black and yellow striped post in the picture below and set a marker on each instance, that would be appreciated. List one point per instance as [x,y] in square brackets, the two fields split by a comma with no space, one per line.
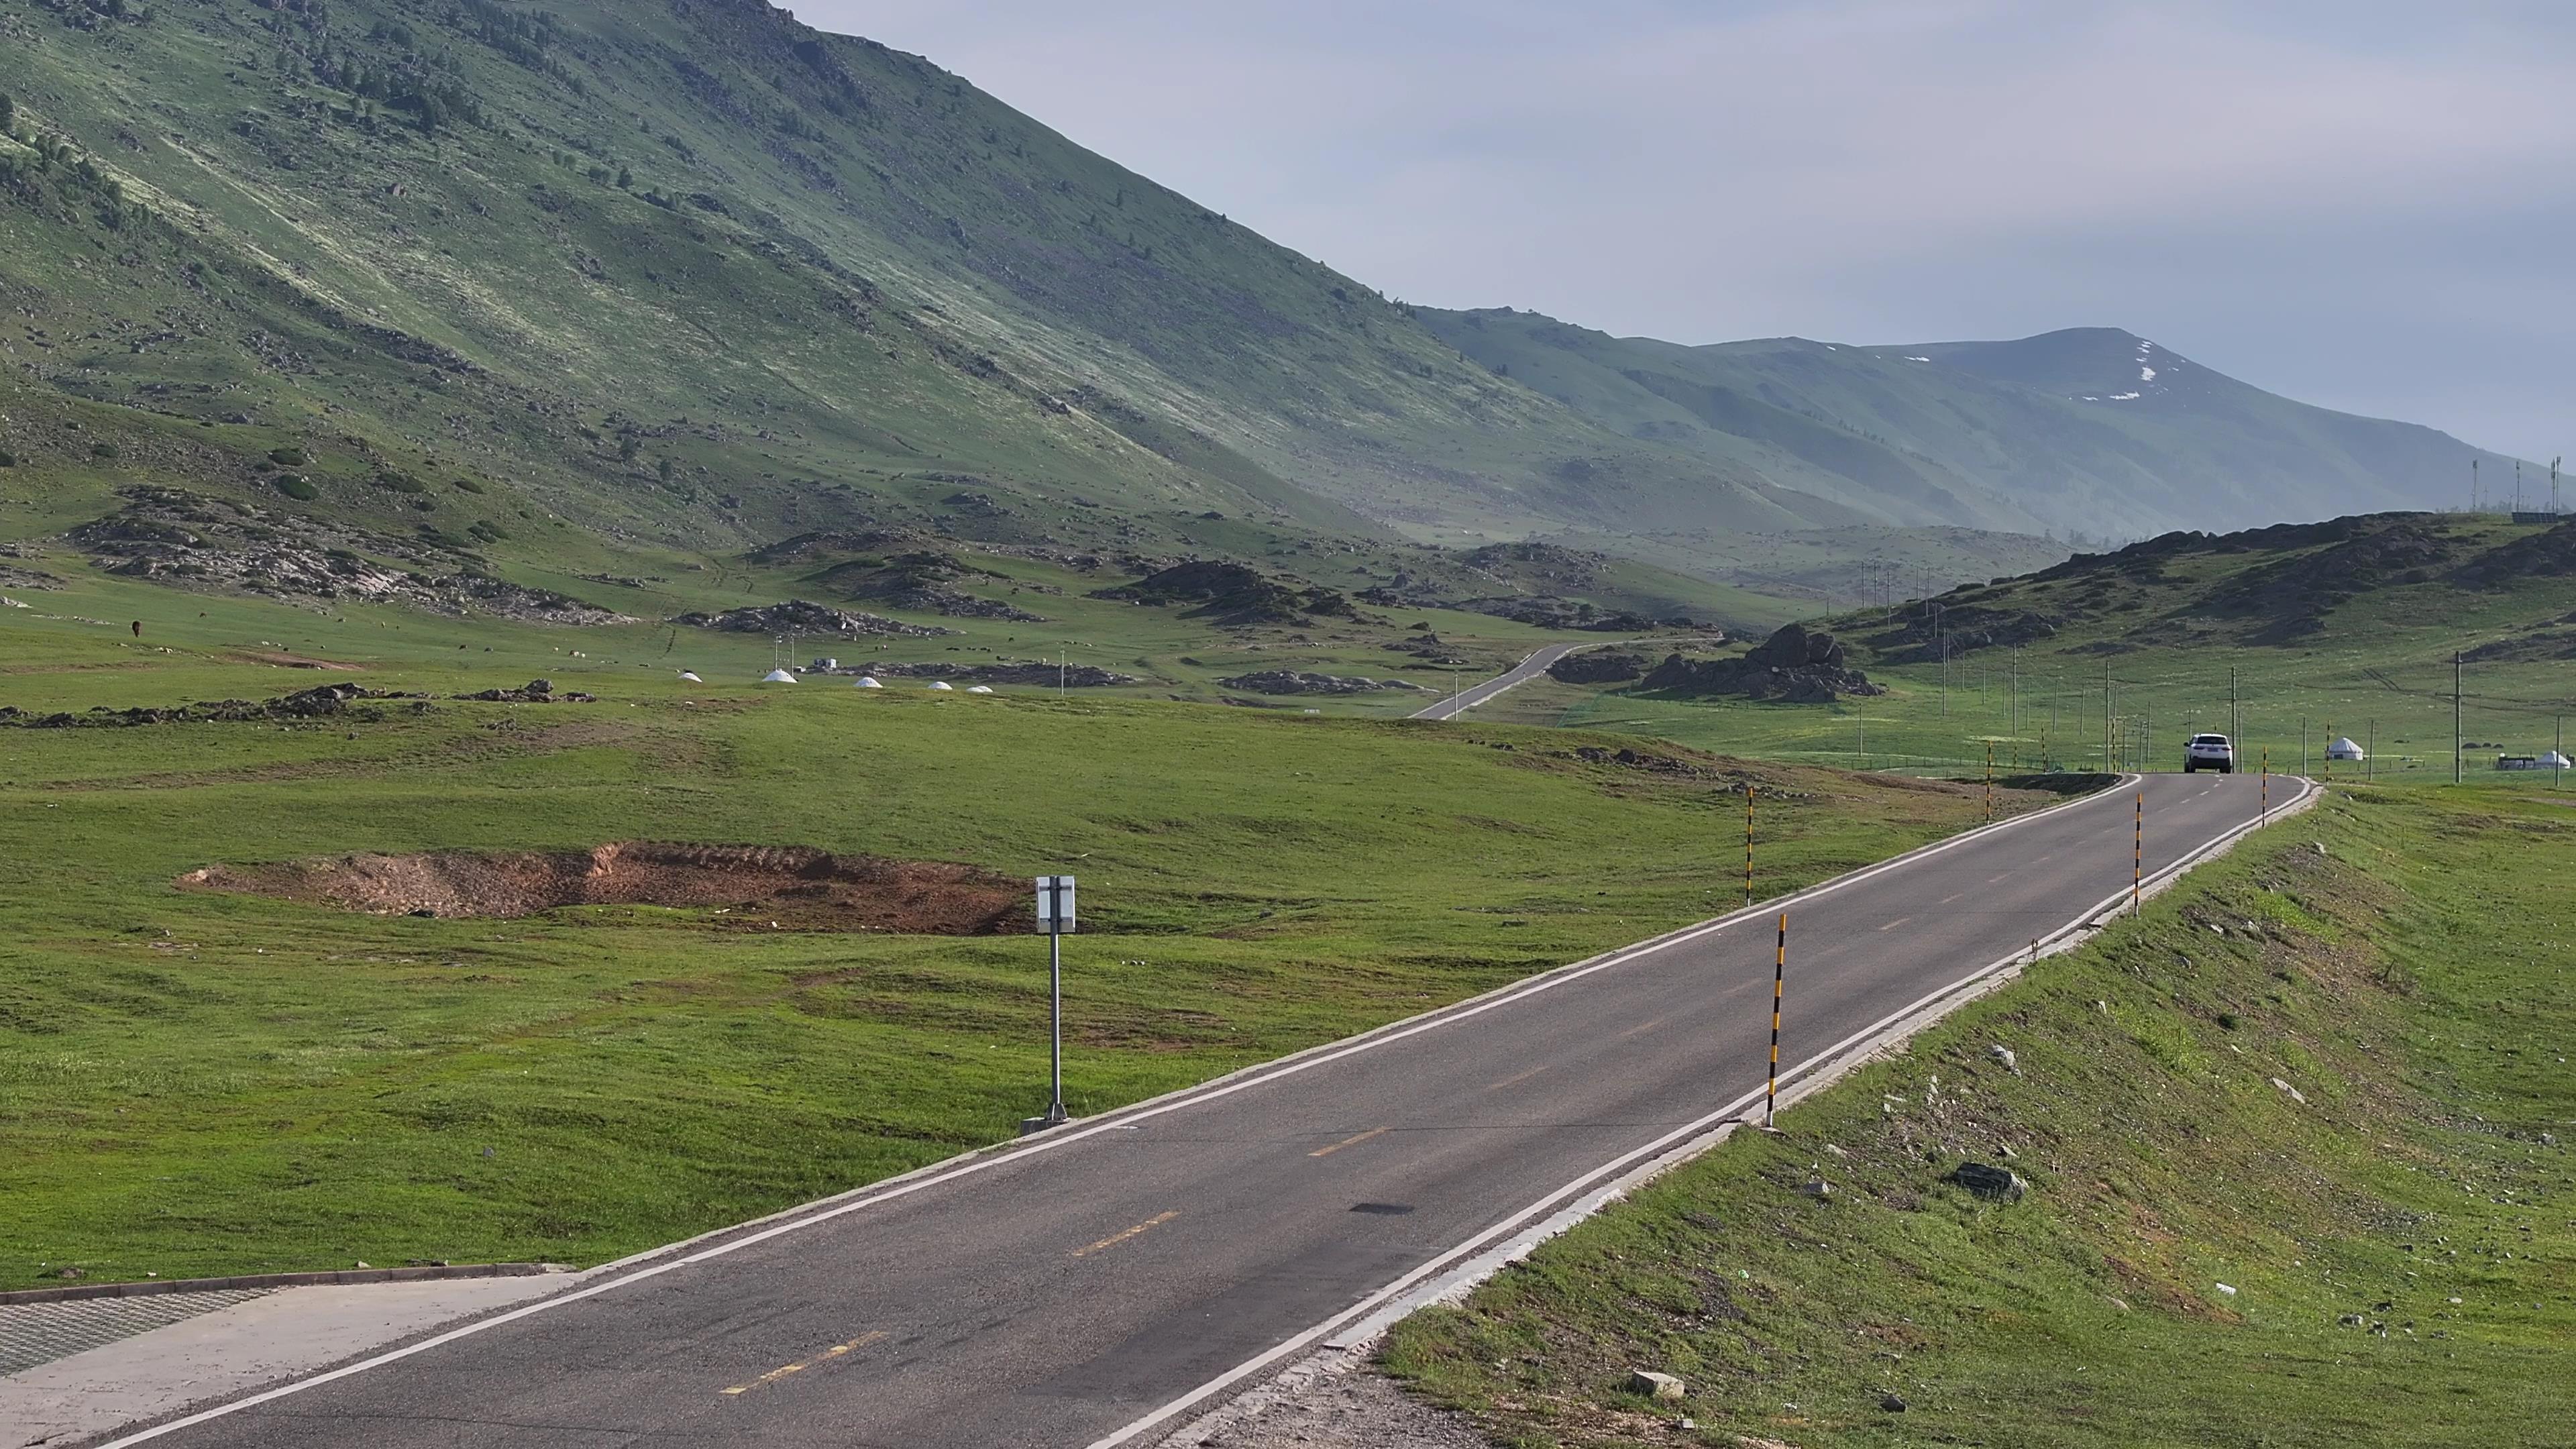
[2138,858]
[2330,738]
[1990,782]
[1779,977]
[2264,815]
[1748,842]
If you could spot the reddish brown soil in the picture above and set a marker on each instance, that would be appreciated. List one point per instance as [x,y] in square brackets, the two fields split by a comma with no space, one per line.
[794,885]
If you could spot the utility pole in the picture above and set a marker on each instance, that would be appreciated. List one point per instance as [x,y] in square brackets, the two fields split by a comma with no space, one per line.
[1748,842]
[2370,753]
[2459,746]
[2234,731]
[2473,485]
[2015,731]
[1941,647]
[2558,766]
[2303,746]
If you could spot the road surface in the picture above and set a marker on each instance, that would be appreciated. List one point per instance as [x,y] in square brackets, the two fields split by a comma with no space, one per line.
[1059,1293]
[1519,674]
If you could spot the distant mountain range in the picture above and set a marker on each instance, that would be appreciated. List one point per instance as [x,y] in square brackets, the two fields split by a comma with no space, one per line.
[2090,430]
[696,275]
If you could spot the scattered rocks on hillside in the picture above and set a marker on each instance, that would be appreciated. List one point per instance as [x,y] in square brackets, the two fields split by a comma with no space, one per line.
[1988,1181]
[1430,648]
[1022,672]
[336,702]
[1795,664]
[2540,555]
[1297,681]
[173,536]
[1925,632]
[799,616]
[1231,593]
[536,691]
[28,580]
[1663,1388]
[924,581]
[1598,667]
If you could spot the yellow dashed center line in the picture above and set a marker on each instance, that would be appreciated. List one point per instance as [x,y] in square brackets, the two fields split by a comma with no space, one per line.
[826,1356]
[1644,1027]
[1515,1081]
[1114,1239]
[1899,921]
[1349,1142]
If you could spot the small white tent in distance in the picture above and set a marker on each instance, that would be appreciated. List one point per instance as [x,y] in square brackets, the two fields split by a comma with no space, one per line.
[942,684]
[867,681]
[778,676]
[2345,749]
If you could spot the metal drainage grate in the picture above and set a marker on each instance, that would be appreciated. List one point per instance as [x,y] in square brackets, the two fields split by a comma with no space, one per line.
[39,1333]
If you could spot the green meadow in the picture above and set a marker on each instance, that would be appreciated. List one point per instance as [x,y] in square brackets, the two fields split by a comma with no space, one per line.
[196,1083]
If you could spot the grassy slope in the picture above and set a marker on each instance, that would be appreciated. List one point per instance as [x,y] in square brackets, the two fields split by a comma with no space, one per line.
[195,1084]
[2378,668]
[866,271]
[1998,434]
[2409,982]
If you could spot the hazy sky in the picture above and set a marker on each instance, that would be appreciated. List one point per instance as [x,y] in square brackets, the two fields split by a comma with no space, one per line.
[2369,204]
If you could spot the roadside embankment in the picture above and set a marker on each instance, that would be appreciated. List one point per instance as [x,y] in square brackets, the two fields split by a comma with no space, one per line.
[2286,1161]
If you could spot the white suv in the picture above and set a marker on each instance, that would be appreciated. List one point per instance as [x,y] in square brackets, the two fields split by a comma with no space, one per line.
[2209,752]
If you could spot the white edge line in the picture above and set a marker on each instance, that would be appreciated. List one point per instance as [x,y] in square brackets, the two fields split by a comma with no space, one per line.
[805,1216]
[1374,1314]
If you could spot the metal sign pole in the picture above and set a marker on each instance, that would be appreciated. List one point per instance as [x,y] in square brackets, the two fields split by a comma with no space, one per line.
[1055,919]
[1055,1027]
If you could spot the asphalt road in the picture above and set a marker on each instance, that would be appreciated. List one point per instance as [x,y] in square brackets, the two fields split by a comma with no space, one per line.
[1055,1294]
[1521,673]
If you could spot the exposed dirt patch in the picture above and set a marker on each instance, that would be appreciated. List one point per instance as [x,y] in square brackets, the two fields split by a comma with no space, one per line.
[796,886]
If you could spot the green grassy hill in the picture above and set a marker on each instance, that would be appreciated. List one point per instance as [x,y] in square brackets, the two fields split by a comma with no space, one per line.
[702,275]
[2343,628]
[2086,432]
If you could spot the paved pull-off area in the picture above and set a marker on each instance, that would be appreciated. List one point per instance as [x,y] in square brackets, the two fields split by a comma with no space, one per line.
[1110,1274]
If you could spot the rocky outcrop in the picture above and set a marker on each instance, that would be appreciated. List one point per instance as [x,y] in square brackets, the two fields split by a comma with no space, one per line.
[1294,681]
[335,702]
[798,616]
[1230,593]
[170,535]
[1607,667]
[1796,665]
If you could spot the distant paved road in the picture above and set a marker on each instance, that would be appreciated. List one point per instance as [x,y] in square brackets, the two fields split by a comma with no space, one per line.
[1064,1292]
[1521,673]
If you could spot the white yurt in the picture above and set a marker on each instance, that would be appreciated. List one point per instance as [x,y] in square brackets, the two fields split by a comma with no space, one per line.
[778,676]
[941,684]
[979,689]
[2345,749]
[867,681]
[2552,760]
[691,675]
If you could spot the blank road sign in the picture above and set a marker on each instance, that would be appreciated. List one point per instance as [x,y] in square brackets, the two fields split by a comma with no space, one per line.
[1055,904]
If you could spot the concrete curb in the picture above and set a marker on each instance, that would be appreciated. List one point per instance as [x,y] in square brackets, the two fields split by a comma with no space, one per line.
[423,1273]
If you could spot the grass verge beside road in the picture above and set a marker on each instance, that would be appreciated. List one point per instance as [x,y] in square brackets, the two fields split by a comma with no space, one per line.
[2328,1073]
